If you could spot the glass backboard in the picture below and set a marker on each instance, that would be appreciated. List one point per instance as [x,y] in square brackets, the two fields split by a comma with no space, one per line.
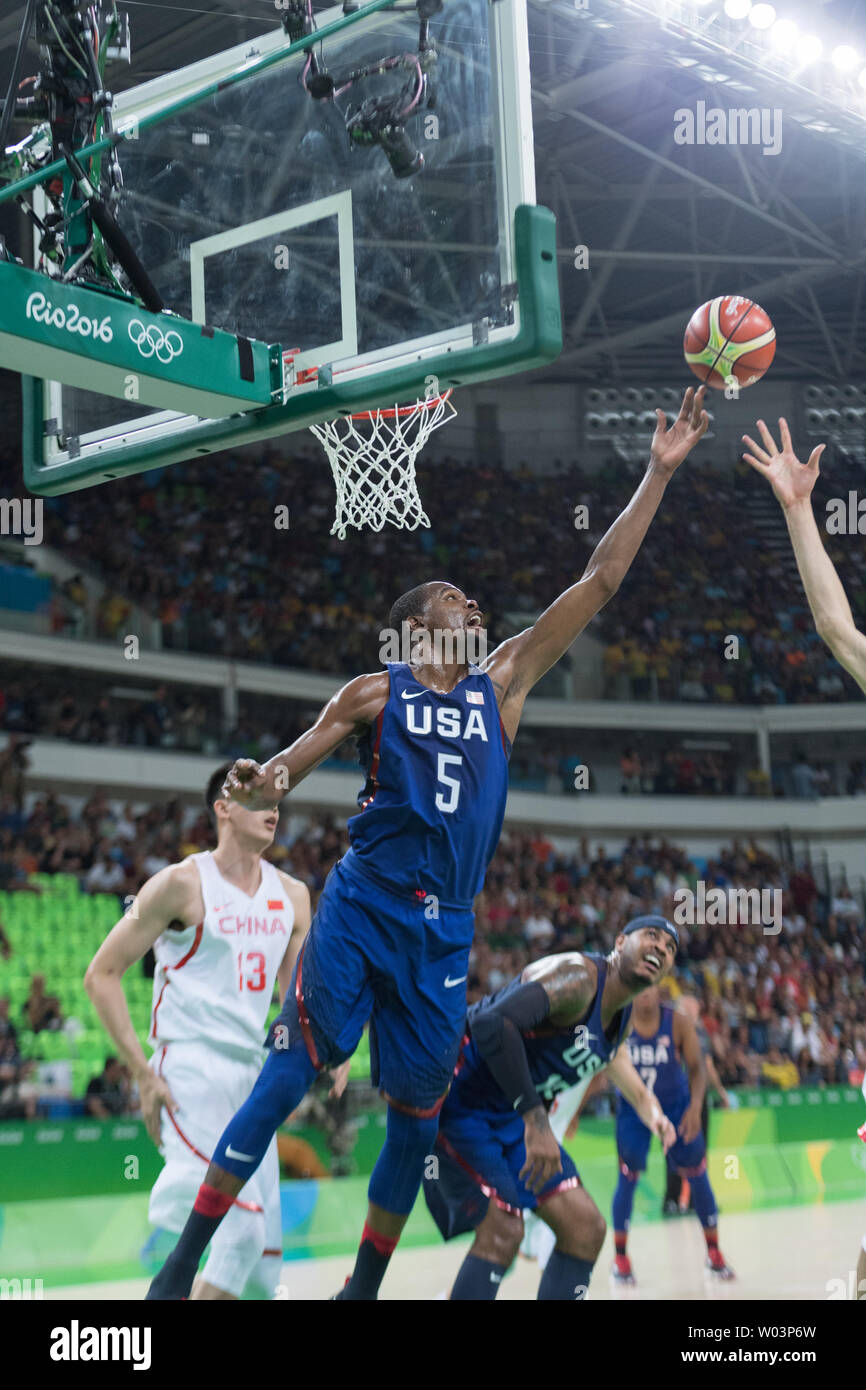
[252,210]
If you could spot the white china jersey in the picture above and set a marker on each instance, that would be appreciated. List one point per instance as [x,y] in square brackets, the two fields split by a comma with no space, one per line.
[214,982]
[565,1106]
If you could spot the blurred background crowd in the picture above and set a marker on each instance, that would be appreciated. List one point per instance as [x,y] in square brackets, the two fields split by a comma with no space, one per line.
[238,586]
[779,1007]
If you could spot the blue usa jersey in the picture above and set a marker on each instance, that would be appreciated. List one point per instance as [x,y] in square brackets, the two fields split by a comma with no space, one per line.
[437,779]
[658,1064]
[559,1058]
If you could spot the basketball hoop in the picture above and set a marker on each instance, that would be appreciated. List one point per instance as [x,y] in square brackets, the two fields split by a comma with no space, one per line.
[372,457]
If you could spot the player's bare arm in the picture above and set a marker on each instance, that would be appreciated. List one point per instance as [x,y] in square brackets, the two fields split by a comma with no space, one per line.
[715,1081]
[171,898]
[792,482]
[569,981]
[350,711]
[689,1048]
[299,896]
[520,662]
[623,1073]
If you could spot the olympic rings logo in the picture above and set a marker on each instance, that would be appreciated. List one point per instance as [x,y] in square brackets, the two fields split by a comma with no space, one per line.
[152,342]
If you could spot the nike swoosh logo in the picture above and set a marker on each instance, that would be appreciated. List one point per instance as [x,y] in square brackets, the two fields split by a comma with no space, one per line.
[449,983]
[244,1158]
[406,695]
[222,907]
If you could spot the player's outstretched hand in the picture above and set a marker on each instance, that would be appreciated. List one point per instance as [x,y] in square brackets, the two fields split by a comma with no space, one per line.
[791,480]
[154,1093]
[690,1124]
[542,1151]
[245,783]
[339,1078]
[664,1130]
[670,446]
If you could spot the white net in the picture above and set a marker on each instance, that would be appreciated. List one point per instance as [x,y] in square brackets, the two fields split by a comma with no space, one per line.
[372,458]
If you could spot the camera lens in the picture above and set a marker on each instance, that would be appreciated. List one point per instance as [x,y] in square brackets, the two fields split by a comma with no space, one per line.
[404,159]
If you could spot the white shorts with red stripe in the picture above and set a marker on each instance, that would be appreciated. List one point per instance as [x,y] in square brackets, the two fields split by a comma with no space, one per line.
[209,1086]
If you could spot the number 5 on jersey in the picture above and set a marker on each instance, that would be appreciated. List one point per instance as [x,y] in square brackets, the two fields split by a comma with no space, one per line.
[447,800]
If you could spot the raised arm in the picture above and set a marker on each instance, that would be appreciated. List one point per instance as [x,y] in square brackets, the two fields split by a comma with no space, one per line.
[792,482]
[521,661]
[170,896]
[351,711]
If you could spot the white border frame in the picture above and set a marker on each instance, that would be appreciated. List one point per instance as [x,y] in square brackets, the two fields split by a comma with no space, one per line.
[338,205]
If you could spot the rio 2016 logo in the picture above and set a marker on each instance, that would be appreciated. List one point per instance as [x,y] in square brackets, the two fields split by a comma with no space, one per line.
[72,320]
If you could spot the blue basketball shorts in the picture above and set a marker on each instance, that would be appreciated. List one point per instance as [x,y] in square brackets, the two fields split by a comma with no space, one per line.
[372,955]
[479,1155]
[633,1141]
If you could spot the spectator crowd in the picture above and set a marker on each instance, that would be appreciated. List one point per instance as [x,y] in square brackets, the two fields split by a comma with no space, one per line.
[780,1008]
[222,578]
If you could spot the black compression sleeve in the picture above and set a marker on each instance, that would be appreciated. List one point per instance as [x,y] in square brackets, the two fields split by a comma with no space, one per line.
[497,1032]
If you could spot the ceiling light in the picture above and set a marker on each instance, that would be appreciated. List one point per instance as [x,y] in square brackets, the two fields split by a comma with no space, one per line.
[845,58]
[809,49]
[762,16]
[783,35]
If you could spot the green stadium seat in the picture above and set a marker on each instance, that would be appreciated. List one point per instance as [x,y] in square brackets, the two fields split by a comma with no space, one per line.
[82,1074]
[359,1068]
[52,1046]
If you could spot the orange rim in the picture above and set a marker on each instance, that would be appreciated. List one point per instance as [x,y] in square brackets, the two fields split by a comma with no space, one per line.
[394,411]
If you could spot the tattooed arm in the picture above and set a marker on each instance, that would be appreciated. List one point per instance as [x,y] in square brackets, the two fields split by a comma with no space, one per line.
[558,990]
[569,981]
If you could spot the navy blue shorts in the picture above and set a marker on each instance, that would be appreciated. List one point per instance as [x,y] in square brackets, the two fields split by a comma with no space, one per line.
[400,962]
[633,1141]
[479,1155]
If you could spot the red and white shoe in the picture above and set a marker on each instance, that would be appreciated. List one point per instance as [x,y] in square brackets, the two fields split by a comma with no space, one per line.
[621,1272]
[716,1265]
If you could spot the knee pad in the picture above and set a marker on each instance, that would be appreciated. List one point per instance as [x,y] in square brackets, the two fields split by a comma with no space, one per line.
[281,1086]
[691,1173]
[285,1079]
[412,1131]
[400,1166]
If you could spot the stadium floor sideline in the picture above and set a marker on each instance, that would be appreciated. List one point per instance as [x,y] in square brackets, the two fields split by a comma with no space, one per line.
[765,1248]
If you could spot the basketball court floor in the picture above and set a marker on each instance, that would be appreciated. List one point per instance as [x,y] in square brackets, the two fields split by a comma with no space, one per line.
[787,1254]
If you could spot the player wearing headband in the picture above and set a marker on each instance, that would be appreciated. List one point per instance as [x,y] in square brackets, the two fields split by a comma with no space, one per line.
[552,1029]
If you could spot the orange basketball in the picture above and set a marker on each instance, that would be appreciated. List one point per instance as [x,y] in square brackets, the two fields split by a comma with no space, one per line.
[729,337]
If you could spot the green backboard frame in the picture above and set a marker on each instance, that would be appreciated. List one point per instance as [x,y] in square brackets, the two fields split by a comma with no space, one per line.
[539,341]
[516,237]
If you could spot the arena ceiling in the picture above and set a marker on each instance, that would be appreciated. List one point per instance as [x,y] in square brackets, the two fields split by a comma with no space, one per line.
[666,225]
